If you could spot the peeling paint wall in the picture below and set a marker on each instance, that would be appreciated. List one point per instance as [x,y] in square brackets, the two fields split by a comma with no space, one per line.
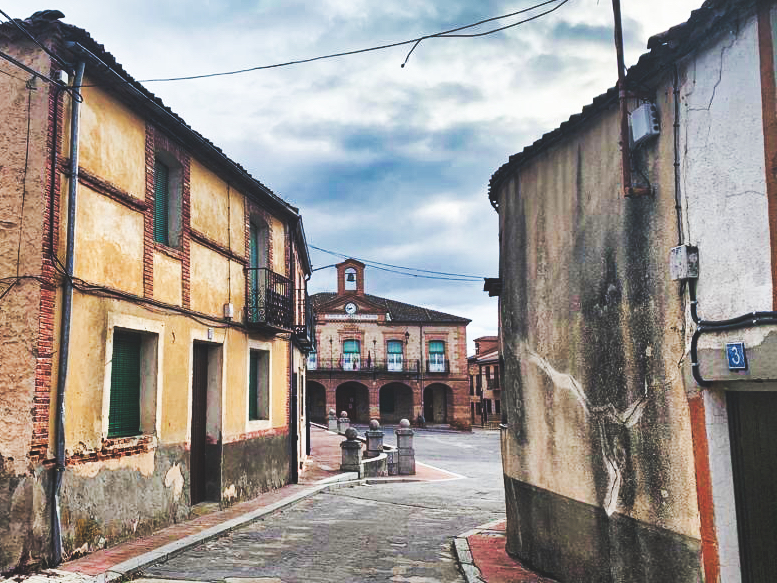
[599,439]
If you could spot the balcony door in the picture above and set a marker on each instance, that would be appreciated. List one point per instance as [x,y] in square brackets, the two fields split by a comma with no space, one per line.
[394,360]
[436,356]
[351,355]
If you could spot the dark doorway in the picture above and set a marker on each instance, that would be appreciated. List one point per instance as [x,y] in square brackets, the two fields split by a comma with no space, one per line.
[395,403]
[436,403]
[353,398]
[316,405]
[205,454]
[293,432]
[199,423]
[753,435]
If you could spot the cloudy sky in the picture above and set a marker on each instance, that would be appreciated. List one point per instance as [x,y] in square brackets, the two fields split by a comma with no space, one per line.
[386,163]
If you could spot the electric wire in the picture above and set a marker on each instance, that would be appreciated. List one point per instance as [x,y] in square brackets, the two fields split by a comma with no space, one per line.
[15,22]
[414,41]
[30,89]
[383,266]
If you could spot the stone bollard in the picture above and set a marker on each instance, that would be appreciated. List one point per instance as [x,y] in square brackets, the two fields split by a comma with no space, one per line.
[343,422]
[352,451]
[374,439]
[332,420]
[391,462]
[405,448]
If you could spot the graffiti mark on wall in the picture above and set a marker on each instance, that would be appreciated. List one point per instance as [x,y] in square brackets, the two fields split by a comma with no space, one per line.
[604,418]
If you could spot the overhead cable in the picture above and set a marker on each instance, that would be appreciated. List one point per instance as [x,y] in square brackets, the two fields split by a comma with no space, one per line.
[383,266]
[24,31]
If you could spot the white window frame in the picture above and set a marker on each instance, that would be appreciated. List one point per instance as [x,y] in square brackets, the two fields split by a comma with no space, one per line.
[152,366]
[259,424]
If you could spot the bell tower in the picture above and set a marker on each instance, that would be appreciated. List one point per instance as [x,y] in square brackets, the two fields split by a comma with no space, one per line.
[350,277]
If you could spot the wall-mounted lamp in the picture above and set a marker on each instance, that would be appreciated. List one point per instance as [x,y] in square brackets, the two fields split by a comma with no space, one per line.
[407,337]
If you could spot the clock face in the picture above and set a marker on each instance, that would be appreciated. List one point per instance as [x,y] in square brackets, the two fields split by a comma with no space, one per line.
[350,308]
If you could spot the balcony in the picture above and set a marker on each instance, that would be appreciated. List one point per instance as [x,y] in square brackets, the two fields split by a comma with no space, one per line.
[366,366]
[441,366]
[305,327]
[270,303]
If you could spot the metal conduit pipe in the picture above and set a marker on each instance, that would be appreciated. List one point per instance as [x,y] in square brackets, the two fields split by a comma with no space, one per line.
[703,326]
[67,308]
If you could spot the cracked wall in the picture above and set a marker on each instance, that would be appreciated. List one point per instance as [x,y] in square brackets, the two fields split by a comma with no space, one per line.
[598,456]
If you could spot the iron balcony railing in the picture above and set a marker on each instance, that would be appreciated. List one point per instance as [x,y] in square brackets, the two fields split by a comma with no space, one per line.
[270,301]
[305,326]
[366,365]
[438,366]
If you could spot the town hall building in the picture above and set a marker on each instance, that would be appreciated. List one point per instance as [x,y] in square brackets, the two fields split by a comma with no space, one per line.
[384,359]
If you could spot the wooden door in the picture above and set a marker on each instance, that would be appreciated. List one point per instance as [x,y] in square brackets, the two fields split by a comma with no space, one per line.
[753,433]
[199,423]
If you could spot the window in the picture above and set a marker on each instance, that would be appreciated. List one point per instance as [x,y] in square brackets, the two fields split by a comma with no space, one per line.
[471,385]
[436,356]
[496,405]
[167,200]
[394,360]
[259,385]
[124,409]
[351,355]
[312,361]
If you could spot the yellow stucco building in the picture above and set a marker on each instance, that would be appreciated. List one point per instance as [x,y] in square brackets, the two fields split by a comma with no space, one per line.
[153,317]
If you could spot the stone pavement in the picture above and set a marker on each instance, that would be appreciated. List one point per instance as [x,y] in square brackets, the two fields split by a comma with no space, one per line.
[483,558]
[320,473]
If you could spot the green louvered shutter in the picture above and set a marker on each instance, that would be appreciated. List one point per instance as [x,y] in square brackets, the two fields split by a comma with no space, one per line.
[124,413]
[161,202]
[253,381]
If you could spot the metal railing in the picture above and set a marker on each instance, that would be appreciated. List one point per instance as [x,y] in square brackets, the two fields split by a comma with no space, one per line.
[366,365]
[270,299]
[305,326]
[437,366]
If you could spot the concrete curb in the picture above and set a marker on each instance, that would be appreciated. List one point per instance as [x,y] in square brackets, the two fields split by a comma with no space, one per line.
[464,554]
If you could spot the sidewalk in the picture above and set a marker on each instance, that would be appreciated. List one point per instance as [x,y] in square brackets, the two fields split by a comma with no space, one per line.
[321,472]
[483,558]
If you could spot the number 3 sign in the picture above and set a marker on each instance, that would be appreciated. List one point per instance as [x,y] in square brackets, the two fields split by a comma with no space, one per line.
[737,360]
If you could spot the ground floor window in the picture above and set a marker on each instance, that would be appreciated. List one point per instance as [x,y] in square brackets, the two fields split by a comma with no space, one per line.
[124,408]
[259,385]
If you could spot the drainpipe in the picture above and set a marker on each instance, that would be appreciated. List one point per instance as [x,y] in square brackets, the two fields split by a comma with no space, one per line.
[67,308]
[293,397]
[625,143]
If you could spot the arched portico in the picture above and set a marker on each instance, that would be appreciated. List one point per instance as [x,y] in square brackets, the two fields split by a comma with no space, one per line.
[396,402]
[354,398]
[316,402]
[438,403]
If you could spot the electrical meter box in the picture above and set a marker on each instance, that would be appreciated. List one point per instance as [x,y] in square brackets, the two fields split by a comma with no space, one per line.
[684,262]
[643,123]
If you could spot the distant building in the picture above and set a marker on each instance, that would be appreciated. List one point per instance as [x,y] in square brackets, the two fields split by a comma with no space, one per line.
[485,392]
[380,358]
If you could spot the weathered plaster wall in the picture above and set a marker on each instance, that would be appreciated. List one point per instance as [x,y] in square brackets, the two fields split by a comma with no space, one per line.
[112,141]
[22,203]
[253,466]
[599,439]
[168,286]
[210,275]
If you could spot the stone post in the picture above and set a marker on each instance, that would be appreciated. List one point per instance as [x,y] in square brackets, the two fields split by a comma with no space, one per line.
[352,451]
[343,422]
[374,439]
[332,420]
[405,448]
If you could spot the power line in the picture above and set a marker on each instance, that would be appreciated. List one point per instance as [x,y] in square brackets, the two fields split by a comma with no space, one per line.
[24,31]
[377,264]
[415,42]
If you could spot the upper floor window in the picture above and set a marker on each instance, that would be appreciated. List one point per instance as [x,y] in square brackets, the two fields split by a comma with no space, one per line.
[436,356]
[167,200]
[312,361]
[351,355]
[350,279]
[394,357]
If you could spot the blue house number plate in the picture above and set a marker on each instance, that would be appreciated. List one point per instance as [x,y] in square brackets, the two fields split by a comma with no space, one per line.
[737,360]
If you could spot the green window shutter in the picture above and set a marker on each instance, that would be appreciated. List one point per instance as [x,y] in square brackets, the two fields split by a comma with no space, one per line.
[394,347]
[436,346]
[351,346]
[253,383]
[124,412]
[161,202]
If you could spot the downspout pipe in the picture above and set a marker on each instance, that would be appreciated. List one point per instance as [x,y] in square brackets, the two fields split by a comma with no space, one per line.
[625,137]
[67,309]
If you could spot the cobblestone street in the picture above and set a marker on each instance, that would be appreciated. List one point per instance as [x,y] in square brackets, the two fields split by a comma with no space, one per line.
[388,532]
